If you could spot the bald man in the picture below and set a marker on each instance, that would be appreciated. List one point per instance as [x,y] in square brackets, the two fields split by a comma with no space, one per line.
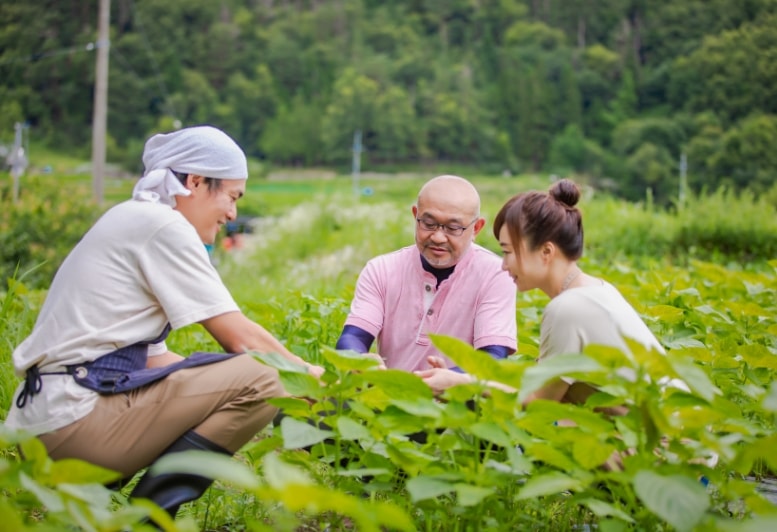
[445,284]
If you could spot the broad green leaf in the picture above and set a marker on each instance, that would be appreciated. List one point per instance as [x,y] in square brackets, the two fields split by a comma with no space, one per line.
[469,495]
[545,453]
[350,429]
[207,464]
[77,471]
[708,310]
[47,497]
[770,399]
[292,406]
[490,432]
[421,488]
[371,471]
[665,313]
[299,434]
[694,377]
[548,484]
[465,356]
[569,365]
[348,360]
[604,509]
[684,343]
[399,384]
[279,362]
[758,356]
[590,452]
[395,420]
[760,449]
[748,309]
[585,419]
[279,474]
[421,407]
[93,494]
[680,501]
[10,517]
[301,384]
[758,523]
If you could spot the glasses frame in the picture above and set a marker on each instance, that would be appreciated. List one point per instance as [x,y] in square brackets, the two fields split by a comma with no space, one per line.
[458,230]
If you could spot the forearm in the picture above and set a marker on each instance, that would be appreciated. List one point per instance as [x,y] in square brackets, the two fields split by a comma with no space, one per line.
[164,359]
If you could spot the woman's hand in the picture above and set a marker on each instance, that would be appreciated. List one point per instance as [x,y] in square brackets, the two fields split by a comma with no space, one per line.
[316,371]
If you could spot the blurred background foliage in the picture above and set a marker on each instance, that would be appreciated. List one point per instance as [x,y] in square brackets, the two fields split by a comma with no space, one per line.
[612,90]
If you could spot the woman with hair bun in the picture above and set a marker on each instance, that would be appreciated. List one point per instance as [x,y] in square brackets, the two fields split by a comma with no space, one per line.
[541,236]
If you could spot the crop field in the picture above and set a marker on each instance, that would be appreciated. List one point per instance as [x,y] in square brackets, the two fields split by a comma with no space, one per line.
[702,274]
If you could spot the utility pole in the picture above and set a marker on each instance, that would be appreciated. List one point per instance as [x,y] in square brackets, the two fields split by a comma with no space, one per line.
[100,116]
[17,159]
[683,179]
[356,161]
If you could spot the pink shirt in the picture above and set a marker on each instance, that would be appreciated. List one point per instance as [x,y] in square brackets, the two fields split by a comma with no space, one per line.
[396,301]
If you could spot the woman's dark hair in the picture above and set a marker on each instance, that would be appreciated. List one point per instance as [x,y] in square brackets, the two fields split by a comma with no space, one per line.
[211,182]
[539,217]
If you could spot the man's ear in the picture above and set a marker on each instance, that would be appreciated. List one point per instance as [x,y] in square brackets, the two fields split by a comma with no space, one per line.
[193,181]
[480,223]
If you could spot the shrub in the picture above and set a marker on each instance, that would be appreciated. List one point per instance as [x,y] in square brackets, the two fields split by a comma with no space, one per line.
[40,229]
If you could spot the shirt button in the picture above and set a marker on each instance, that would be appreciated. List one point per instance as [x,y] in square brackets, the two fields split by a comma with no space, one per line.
[429,312]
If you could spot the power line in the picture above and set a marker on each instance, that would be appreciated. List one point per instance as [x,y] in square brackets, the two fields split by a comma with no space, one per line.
[88,47]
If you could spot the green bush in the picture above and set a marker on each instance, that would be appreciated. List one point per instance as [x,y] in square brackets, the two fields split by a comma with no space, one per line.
[40,229]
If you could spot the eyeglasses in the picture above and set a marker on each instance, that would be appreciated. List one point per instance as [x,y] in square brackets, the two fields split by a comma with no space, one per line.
[451,230]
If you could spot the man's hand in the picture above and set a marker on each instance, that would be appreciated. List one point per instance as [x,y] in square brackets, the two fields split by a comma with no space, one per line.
[440,379]
[376,356]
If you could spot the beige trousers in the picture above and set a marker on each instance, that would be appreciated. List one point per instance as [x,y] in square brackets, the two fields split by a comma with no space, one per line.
[224,402]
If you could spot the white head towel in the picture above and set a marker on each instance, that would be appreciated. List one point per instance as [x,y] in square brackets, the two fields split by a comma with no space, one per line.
[199,150]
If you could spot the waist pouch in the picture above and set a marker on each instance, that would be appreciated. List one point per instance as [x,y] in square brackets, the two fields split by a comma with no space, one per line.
[114,373]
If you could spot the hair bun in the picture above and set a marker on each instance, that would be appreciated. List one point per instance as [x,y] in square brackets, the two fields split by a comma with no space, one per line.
[565,191]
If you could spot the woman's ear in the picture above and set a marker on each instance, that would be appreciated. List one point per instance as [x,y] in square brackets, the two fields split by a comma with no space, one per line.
[548,251]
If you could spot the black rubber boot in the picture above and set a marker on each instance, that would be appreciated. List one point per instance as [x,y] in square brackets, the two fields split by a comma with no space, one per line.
[170,490]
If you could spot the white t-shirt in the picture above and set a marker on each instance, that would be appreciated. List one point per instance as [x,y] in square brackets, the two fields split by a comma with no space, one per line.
[141,266]
[590,315]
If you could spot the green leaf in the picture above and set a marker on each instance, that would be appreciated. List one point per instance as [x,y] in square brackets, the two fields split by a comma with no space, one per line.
[770,399]
[352,430]
[301,384]
[471,360]
[398,384]
[348,360]
[298,434]
[421,407]
[680,501]
[292,406]
[694,377]
[490,432]
[604,509]
[548,484]
[469,495]
[47,497]
[570,365]
[279,474]
[73,471]
[421,488]
[589,452]
[758,523]
[279,362]
[207,464]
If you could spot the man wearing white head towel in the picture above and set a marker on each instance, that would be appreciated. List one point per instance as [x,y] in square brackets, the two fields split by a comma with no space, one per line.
[99,382]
